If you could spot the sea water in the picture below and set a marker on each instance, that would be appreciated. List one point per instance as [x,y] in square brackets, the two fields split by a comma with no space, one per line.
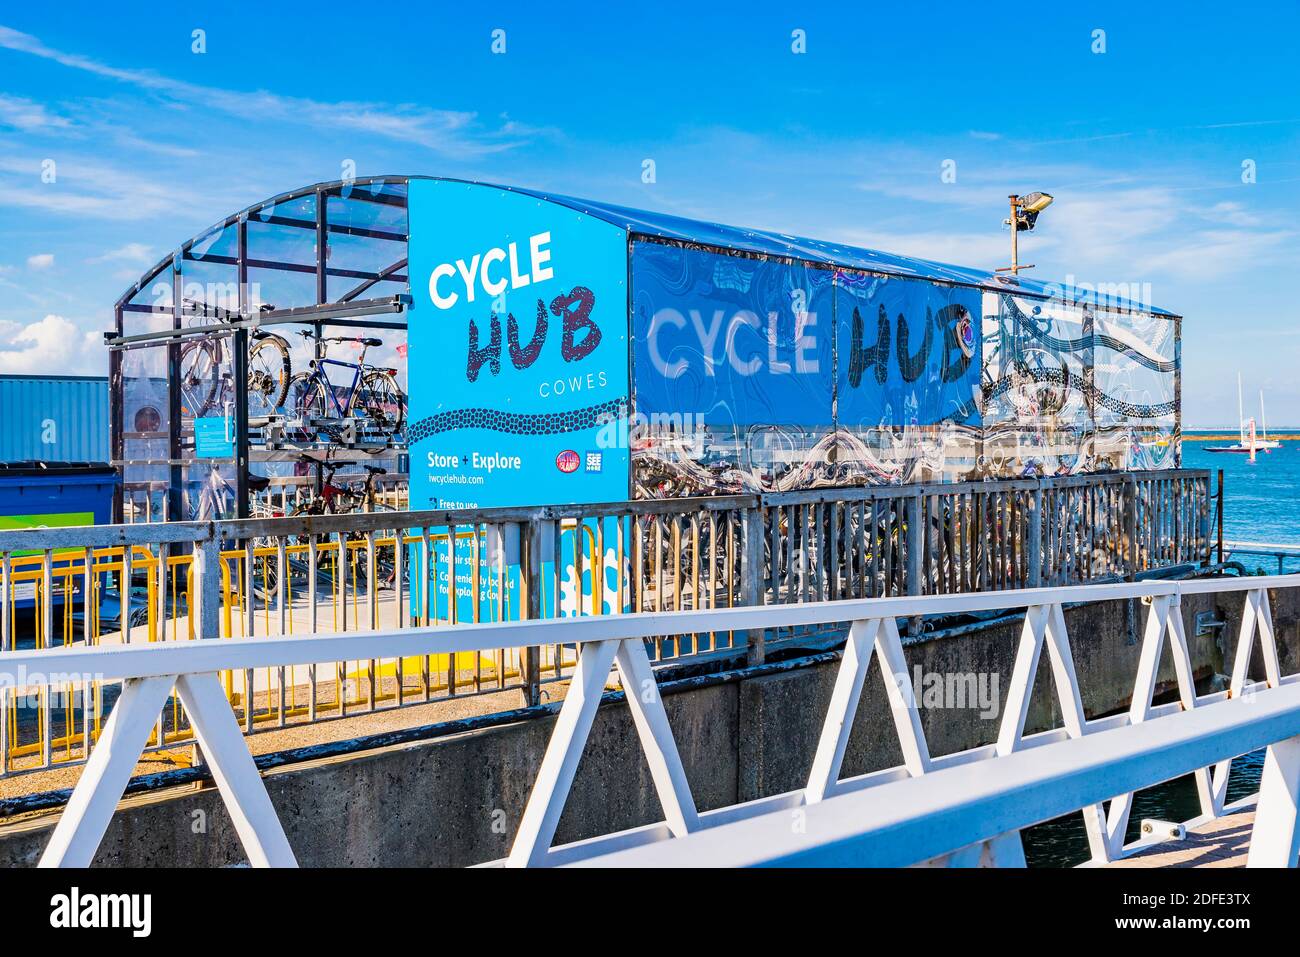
[1260,497]
[1260,500]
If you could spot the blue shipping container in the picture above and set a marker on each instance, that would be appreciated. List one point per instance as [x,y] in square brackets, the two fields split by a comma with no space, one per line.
[57,495]
[54,419]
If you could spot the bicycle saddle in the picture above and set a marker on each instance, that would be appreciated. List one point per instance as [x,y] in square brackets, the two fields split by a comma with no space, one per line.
[258,483]
[371,342]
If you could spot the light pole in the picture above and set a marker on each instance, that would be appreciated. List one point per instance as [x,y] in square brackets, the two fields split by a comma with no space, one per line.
[1024,213]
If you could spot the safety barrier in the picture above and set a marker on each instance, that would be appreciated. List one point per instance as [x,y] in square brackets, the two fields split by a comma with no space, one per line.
[968,807]
[1250,553]
[310,574]
[958,809]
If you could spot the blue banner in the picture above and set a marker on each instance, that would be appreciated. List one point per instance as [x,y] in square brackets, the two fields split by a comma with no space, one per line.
[908,352]
[732,340]
[517,351]
[762,375]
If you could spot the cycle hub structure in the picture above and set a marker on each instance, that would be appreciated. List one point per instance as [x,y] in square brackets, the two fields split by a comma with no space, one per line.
[505,346]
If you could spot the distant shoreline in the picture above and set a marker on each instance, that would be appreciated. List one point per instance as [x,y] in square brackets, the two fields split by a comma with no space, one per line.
[1235,436]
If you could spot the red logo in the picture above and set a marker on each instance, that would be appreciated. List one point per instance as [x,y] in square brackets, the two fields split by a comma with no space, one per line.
[568,461]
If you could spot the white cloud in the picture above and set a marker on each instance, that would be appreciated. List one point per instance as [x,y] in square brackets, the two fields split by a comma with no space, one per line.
[52,345]
[90,188]
[1156,234]
[28,116]
[40,261]
[450,132]
[1217,253]
[130,253]
[1106,229]
[1234,214]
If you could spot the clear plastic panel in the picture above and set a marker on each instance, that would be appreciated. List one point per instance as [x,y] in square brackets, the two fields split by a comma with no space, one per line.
[279,289]
[1071,389]
[210,289]
[356,209]
[208,491]
[146,430]
[365,254]
[206,378]
[281,243]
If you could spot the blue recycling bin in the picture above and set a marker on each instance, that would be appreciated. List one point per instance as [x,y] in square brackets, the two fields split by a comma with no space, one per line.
[54,495]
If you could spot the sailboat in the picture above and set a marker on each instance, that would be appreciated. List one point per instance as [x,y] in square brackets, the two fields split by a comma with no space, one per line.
[1265,442]
[1251,441]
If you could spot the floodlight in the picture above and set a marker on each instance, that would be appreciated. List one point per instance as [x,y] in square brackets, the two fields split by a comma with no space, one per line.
[1035,202]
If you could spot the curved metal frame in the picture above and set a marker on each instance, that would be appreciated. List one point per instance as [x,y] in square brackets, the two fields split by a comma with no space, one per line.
[325,188]
[242,263]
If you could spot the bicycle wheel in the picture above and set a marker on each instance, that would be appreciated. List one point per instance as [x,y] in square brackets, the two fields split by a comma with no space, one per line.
[306,397]
[199,380]
[384,403]
[268,375]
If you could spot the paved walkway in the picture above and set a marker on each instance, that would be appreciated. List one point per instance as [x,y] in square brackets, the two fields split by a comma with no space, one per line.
[1223,842]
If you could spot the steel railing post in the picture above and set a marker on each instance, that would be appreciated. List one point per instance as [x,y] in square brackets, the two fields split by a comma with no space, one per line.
[751,571]
[913,557]
[207,600]
[1131,526]
[1035,543]
[531,658]
[207,585]
[1218,515]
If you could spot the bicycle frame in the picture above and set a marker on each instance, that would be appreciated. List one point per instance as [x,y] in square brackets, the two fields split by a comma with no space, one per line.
[358,370]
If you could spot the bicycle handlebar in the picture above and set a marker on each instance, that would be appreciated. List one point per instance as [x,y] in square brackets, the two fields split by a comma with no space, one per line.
[364,340]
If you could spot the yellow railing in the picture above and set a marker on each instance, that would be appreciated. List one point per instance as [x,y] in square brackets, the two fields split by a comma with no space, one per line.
[279,602]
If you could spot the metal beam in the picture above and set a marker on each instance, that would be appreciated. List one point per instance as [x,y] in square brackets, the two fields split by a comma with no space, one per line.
[325,315]
[917,819]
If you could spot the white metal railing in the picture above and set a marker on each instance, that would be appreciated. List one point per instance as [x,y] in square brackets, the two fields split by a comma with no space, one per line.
[309,574]
[149,674]
[977,808]
[1278,552]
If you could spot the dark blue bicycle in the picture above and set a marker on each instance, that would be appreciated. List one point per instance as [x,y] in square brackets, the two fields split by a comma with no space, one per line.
[373,391]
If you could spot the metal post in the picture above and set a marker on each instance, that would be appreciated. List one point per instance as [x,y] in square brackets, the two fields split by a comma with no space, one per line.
[207,586]
[751,577]
[115,422]
[913,556]
[240,391]
[1131,525]
[322,277]
[1218,515]
[207,599]
[240,371]
[1035,543]
[531,659]
[1178,393]
[1088,326]
[176,474]
[1015,237]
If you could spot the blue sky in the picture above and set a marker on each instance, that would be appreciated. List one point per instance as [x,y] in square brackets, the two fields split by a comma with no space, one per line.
[1142,144]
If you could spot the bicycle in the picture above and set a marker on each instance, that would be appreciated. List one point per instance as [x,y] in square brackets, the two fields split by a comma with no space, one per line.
[332,500]
[373,389]
[203,383]
[342,499]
